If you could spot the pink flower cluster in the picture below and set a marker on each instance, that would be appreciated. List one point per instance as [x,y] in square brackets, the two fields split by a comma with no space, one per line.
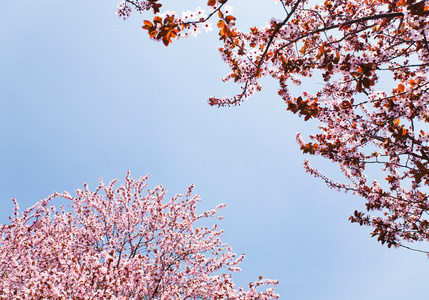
[118,242]
[346,47]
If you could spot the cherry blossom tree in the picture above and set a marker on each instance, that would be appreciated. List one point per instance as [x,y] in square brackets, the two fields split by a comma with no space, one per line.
[372,60]
[119,243]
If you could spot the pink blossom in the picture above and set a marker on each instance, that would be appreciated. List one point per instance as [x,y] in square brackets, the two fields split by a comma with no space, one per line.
[117,243]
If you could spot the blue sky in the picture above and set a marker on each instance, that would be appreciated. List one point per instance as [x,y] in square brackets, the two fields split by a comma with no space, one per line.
[86,95]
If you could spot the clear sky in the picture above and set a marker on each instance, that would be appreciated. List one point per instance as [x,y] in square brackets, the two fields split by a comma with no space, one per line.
[86,95]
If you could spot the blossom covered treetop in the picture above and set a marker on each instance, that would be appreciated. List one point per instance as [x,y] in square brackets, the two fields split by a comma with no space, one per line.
[119,243]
